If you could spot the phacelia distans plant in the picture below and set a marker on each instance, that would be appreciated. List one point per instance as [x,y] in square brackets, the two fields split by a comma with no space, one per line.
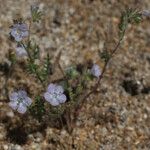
[62,98]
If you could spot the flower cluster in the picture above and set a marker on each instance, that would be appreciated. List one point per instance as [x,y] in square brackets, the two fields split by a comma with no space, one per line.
[19,101]
[19,31]
[54,94]
[95,70]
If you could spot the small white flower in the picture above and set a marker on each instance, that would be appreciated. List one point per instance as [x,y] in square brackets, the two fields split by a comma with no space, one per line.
[19,31]
[19,101]
[95,70]
[54,94]
[146,13]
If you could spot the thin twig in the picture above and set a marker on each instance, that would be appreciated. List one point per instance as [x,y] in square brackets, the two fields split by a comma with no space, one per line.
[57,62]
[79,106]
[7,78]
[30,23]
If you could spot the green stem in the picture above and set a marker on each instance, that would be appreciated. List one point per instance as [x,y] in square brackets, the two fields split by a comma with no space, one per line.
[31,60]
[39,78]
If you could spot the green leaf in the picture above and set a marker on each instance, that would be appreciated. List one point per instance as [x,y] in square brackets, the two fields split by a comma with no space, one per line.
[32,68]
[71,93]
[129,16]
[48,65]
[36,14]
[104,55]
[36,51]
[37,109]
[12,57]
[72,72]
[79,89]
[33,49]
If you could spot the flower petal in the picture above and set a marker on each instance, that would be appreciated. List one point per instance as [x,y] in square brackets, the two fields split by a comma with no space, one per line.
[23,27]
[51,88]
[48,96]
[13,105]
[20,51]
[54,102]
[62,98]
[18,38]
[59,89]
[96,70]
[14,32]
[22,94]
[27,101]
[22,109]
[13,96]
[25,34]
[51,99]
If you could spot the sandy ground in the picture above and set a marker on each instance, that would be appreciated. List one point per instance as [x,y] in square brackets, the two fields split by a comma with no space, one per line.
[118,116]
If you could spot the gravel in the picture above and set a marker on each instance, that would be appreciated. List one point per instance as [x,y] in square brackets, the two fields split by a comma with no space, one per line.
[118,115]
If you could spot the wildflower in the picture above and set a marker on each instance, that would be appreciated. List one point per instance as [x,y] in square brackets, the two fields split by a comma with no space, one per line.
[146,13]
[20,51]
[19,31]
[19,101]
[95,71]
[34,7]
[54,94]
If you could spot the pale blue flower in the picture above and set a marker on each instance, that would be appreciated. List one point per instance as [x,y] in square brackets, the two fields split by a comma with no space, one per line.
[146,13]
[19,101]
[20,51]
[19,31]
[95,70]
[54,94]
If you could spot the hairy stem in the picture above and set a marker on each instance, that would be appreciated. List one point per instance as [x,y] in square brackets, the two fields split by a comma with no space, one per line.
[31,61]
